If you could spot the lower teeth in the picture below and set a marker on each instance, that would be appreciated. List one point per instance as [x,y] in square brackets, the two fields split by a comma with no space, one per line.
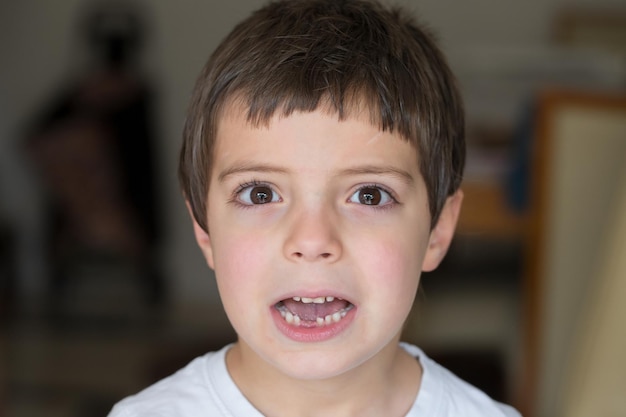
[320,321]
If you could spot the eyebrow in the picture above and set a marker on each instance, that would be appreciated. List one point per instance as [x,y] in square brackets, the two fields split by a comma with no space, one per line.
[379,170]
[249,167]
[360,170]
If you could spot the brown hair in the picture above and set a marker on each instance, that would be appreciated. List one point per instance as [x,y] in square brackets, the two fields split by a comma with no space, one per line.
[297,55]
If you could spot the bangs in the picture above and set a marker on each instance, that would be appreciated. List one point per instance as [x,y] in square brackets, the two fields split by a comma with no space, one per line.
[261,106]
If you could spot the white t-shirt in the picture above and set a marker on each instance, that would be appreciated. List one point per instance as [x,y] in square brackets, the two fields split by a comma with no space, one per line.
[204,388]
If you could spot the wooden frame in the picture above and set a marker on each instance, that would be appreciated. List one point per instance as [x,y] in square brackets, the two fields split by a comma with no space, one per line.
[550,103]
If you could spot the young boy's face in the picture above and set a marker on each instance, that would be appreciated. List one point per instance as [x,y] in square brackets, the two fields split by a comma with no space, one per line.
[318,232]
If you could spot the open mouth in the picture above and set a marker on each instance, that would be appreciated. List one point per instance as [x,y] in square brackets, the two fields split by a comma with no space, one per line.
[313,312]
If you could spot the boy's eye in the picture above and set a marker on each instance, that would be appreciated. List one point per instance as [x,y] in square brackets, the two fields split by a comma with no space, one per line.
[371,196]
[257,194]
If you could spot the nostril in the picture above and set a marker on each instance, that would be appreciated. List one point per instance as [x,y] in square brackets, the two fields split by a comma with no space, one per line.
[300,255]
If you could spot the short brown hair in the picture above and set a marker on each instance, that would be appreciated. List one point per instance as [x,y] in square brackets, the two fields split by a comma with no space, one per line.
[296,55]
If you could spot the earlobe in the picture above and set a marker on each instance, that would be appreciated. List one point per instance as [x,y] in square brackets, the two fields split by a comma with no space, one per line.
[202,238]
[443,232]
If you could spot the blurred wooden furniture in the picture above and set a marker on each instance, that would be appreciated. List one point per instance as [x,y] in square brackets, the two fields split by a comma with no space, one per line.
[485,212]
[596,377]
[579,155]
[592,27]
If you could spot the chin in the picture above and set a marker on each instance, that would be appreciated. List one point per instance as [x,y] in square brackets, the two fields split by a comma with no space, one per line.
[315,366]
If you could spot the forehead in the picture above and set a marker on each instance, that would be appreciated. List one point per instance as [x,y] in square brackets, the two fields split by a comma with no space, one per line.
[237,109]
[316,142]
[353,104]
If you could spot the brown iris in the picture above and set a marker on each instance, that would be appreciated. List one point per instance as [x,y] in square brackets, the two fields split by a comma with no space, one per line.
[369,196]
[261,194]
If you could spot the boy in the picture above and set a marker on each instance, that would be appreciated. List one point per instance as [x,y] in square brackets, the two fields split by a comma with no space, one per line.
[321,163]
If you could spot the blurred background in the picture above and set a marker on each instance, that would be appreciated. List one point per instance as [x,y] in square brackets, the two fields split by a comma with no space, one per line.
[103,291]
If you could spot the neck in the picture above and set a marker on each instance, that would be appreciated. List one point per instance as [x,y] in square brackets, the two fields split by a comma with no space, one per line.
[386,384]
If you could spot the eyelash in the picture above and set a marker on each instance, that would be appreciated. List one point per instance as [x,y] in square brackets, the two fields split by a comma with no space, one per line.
[245,185]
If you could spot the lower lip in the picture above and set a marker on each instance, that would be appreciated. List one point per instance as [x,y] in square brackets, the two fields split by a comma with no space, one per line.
[312,334]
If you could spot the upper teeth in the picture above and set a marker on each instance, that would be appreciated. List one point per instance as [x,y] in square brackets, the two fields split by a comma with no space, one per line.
[316,300]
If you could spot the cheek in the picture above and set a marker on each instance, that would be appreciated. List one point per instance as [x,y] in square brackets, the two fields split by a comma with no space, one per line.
[239,261]
[393,266]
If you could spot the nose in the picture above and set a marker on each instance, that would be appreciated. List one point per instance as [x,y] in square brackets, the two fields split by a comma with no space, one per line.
[313,236]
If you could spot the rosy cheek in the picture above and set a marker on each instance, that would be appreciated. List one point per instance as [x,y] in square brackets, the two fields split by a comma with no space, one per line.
[392,265]
[389,254]
[240,258]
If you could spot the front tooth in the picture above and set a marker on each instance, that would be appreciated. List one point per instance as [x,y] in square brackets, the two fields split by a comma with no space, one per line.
[319,321]
[329,299]
[319,300]
[328,319]
[296,298]
[306,300]
[296,320]
[336,317]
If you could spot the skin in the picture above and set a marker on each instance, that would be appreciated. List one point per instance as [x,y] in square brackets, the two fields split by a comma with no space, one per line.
[315,237]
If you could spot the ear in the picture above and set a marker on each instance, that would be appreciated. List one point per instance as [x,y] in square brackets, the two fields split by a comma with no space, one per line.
[202,238]
[443,232]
